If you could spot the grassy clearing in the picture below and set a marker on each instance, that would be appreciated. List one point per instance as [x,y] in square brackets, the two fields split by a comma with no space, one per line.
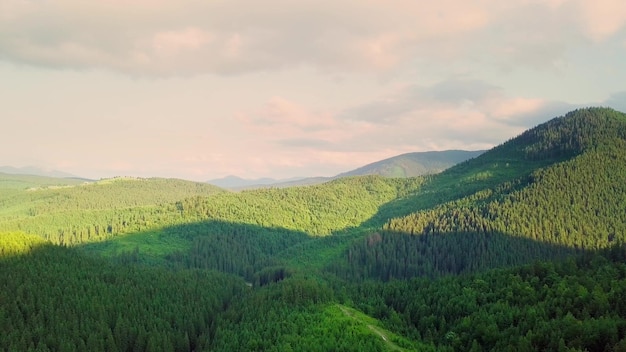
[367,324]
[150,246]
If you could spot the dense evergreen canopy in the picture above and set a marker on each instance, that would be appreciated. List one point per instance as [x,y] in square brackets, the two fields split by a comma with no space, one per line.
[520,249]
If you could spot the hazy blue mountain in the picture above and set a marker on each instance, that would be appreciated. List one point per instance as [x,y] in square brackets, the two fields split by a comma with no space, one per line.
[305,181]
[33,170]
[404,165]
[235,182]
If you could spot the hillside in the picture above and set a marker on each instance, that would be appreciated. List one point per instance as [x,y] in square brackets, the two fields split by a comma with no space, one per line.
[481,191]
[519,248]
[460,220]
[63,300]
[404,165]
[9,181]
[554,190]
[72,211]
[414,164]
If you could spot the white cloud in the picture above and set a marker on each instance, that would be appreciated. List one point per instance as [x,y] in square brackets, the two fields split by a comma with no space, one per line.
[602,18]
[191,37]
[458,113]
[312,85]
[450,114]
[616,101]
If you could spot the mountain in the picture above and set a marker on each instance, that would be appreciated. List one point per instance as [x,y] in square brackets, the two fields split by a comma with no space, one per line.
[520,248]
[235,182]
[306,181]
[414,164]
[76,212]
[36,171]
[21,182]
[555,190]
[404,165]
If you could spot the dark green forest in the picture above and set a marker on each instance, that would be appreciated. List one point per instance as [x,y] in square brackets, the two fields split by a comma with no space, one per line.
[521,248]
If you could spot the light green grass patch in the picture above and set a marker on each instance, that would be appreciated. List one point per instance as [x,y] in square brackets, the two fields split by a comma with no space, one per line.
[371,326]
[152,246]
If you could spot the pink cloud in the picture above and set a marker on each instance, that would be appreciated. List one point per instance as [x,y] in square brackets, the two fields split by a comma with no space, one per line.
[281,118]
[448,115]
[380,51]
[190,38]
[602,18]
[474,116]
[296,136]
[516,106]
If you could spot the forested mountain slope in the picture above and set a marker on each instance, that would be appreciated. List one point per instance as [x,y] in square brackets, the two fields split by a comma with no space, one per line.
[55,299]
[244,232]
[578,304]
[359,263]
[574,202]
[414,164]
[94,212]
[77,212]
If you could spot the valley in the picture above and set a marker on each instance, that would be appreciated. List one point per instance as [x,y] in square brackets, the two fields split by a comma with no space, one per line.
[518,248]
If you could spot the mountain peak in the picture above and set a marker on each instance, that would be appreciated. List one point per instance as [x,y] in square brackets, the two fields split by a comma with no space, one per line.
[574,133]
[565,136]
[414,164]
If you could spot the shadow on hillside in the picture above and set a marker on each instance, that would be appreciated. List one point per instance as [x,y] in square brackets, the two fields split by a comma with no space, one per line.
[262,254]
[393,255]
[250,251]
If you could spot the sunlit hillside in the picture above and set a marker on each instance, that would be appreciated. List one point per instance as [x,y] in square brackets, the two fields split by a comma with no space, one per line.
[521,248]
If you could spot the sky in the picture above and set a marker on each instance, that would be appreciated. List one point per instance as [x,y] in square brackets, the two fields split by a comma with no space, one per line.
[199,90]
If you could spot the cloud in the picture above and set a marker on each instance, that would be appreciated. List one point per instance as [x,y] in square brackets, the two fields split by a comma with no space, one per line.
[309,83]
[285,122]
[453,93]
[452,114]
[306,143]
[280,112]
[187,37]
[616,101]
[602,18]
[173,42]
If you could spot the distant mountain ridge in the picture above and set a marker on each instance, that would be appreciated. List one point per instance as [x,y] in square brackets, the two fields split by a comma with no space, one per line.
[404,165]
[521,248]
[414,164]
[234,182]
[36,171]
